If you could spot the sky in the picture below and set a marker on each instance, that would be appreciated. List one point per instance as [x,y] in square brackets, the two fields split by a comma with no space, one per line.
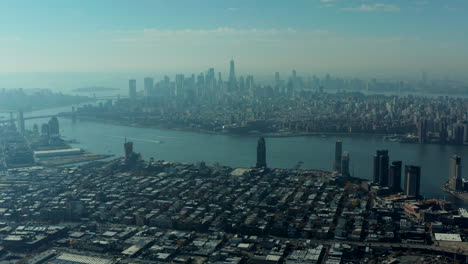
[361,37]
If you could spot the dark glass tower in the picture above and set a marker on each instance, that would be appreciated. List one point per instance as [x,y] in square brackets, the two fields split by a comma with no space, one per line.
[422,131]
[54,128]
[381,161]
[128,146]
[412,180]
[261,153]
[455,174]
[394,176]
[338,154]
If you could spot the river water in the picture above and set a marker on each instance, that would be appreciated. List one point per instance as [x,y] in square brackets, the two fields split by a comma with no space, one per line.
[316,152]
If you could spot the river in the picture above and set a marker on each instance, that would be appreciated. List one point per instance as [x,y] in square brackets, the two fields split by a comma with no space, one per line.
[316,152]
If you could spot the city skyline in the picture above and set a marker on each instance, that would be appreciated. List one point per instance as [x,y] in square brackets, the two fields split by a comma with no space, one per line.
[385,37]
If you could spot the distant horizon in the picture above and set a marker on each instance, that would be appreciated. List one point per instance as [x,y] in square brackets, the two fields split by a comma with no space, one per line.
[66,81]
[383,39]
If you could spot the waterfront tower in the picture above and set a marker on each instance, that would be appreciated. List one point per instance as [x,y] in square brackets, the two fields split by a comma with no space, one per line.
[128,146]
[338,154]
[394,176]
[54,128]
[412,180]
[345,164]
[455,174]
[459,133]
[422,131]
[381,161]
[261,153]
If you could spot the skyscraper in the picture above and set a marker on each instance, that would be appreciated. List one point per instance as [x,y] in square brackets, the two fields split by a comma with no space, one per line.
[459,133]
[345,164]
[128,146]
[443,133]
[132,93]
[232,83]
[179,85]
[54,128]
[422,131]
[455,174]
[412,180]
[149,84]
[261,153]
[381,161]
[338,153]
[394,176]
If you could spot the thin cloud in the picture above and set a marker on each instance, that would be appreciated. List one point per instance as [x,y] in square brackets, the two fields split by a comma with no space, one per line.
[450,8]
[233,9]
[327,1]
[10,39]
[373,8]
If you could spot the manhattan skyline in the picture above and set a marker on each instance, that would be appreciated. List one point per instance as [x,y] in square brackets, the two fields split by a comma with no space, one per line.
[362,38]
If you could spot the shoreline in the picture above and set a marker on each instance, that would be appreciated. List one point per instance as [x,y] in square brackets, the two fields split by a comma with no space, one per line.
[267,135]
[186,129]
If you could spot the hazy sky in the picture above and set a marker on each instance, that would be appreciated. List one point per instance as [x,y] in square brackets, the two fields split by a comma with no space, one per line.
[348,36]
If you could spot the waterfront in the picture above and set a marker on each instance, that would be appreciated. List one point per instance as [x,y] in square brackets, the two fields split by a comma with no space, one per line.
[315,152]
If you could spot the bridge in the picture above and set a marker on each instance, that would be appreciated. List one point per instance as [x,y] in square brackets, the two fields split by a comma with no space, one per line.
[28,118]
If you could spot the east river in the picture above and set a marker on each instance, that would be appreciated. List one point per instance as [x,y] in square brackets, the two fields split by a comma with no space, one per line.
[316,152]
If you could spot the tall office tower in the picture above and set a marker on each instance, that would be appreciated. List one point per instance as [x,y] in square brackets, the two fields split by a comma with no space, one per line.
[443,134]
[459,133]
[232,77]
[54,128]
[338,153]
[132,93]
[381,161]
[277,78]
[179,84]
[412,180]
[294,75]
[394,176]
[422,131]
[465,132]
[261,153]
[345,164]
[128,147]
[210,75]
[455,174]
[21,122]
[149,85]
[201,85]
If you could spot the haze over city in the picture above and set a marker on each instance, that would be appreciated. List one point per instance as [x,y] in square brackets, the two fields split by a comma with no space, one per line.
[233,132]
[383,39]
